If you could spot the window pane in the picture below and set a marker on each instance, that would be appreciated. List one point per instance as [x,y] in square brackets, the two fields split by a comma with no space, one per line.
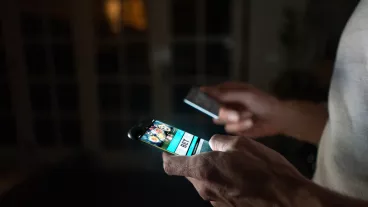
[103,29]
[44,130]
[140,98]
[5,103]
[136,58]
[63,59]
[32,25]
[184,58]
[35,59]
[112,134]
[217,17]
[180,92]
[67,96]
[60,27]
[109,97]
[40,97]
[108,60]
[133,33]
[8,132]
[70,132]
[217,60]
[184,17]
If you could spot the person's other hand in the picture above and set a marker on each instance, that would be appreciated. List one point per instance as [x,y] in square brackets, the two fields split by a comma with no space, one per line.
[240,172]
[246,110]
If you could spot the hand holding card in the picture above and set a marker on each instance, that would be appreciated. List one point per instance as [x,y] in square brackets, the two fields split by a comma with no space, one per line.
[202,102]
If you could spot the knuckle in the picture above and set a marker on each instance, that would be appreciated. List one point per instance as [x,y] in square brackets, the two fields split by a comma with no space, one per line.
[203,173]
[205,193]
[235,142]
[204,168]
[168,168]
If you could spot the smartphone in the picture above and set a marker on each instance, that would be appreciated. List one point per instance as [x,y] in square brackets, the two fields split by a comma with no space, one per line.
[168,138]
[202,102]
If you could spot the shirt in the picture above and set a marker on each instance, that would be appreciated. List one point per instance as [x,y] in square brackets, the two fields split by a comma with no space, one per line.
[342,163]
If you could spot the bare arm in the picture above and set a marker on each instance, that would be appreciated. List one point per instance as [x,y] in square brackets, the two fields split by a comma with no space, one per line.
[243,172]
[260,114]
[303,120]
[317,196]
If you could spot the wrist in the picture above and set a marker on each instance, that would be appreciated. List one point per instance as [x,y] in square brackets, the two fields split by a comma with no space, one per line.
[282,114]
[302,120]
[290,189]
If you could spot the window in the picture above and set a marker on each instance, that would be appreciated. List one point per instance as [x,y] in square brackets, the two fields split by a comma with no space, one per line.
[184,58]
[35,55]
[140,98]
[63,59]
[112,134]
[71,132]
[217,60]
[108,62]
[40,97]
[179,92]
[32,25]
[218,17]
[44,130]
[60,28]
[184,17]
[136,58]
[103,28]
[130,32]
[67,97]
[110,97]
[8,132]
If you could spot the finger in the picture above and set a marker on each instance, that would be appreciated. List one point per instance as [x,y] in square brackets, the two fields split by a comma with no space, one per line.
[219,204]
[219,121]
[241,126]
[206,193]
[216,90]
[197,166]
[227,85]
[222,142]
[229,115]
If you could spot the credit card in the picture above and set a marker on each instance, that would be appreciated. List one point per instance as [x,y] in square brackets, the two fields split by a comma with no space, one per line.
[202,102]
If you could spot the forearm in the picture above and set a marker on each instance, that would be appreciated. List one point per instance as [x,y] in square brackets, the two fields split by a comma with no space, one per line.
[303,120]
[314,195]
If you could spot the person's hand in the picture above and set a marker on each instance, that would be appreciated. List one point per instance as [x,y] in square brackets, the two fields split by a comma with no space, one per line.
[239,172]
[246,110]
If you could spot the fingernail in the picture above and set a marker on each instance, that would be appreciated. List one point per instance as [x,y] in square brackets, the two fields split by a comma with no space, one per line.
[233,116]
[248,123]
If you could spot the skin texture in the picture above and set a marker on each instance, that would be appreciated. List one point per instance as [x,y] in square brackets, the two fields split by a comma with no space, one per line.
[248,111]
[243,172]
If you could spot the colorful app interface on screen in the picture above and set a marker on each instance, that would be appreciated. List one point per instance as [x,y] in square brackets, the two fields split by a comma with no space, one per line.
[174,140]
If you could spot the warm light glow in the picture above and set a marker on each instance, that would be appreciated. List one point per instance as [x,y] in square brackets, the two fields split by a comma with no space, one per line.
[131,12]
[134,14]
[113,12]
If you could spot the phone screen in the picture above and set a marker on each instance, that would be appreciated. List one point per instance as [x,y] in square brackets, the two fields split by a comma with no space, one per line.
[174,140]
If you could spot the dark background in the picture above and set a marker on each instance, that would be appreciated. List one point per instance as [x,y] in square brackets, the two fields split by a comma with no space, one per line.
[70,88]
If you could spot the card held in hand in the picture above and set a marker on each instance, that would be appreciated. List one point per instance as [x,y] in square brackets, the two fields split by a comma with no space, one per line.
[202,102]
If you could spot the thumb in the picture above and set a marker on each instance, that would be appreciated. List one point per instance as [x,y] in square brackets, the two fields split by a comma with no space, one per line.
[222,142]
[234,95]
[241,97]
